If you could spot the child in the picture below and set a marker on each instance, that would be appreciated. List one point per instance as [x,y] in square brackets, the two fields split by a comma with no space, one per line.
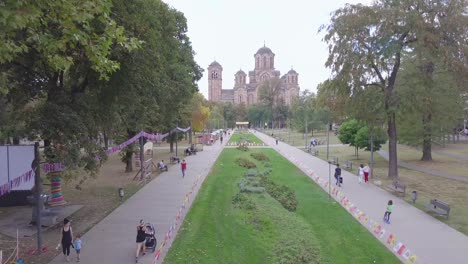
[388,212]
[77,245]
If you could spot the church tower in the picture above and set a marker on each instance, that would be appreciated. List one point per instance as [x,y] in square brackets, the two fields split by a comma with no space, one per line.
[215,81]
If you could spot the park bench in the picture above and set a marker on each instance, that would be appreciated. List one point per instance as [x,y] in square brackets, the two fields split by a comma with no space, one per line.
[349,165]
[398,187]
[438,207]
[175,160]
[335,160]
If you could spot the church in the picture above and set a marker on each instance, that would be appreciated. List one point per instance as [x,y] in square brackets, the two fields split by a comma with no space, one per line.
[248,93]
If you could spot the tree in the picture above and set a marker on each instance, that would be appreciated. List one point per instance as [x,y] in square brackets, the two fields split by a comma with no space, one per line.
[348,131]
[272,97]
[200,112]
[366,44]
[363,139]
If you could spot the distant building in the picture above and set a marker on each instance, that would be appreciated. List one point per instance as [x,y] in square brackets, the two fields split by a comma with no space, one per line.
[247,93]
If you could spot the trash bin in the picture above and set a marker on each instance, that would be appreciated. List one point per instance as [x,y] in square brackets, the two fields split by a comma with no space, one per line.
[414,196]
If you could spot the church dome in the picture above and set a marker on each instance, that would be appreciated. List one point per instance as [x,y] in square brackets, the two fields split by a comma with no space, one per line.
[292,71]
[264,50]
[215,64]
[240,72]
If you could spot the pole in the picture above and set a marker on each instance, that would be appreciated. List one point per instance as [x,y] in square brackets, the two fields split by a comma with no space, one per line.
[176,134]
[37,196]
[372,152]
[290,132]
[329,180]
[142,159]
[328,139]
[306,134]
[190,133]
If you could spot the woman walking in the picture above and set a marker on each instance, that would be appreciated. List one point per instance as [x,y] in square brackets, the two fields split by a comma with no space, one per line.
[360,173]
[366,173]
[140,239]
[66,238]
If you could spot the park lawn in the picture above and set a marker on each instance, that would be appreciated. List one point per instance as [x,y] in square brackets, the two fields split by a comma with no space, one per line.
[244,136]
[428,186]
[214,231]
[295,138]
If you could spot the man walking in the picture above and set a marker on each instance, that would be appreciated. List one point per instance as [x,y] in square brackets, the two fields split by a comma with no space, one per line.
[338,175]
[183,166]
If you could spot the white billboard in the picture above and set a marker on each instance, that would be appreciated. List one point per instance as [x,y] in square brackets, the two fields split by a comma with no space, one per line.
[14,162]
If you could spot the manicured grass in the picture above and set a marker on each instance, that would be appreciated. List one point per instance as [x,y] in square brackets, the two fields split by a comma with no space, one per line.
[244,135]
[214,231]
[295,138]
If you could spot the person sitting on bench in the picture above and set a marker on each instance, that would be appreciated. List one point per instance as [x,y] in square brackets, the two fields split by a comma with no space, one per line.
[193,149]
[162,166]
[175,159]
[188,152]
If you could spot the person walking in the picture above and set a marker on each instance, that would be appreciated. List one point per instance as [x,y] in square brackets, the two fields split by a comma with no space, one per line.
[221,140]
[338,175]
[77,246]
[366,173]
[360,173]
[183,166]
[276,141]
[66,238]
[140,239]
[388,212]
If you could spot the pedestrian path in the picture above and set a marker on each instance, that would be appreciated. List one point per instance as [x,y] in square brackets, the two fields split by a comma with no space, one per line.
[403,164]
[113,240]
[413,235]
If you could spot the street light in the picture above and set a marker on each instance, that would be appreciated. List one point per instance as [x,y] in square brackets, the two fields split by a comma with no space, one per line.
[329,180]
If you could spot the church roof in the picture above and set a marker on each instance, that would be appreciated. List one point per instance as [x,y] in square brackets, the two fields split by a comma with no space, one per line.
[240,72]
[292,71]
[215,63]
[264,50]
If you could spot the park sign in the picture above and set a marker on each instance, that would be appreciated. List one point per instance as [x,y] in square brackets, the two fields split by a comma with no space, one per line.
[15,168]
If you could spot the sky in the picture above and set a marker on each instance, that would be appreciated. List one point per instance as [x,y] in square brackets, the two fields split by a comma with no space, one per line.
[231,32]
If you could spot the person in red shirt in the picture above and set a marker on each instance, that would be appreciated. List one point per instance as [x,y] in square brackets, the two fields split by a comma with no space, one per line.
[183,166]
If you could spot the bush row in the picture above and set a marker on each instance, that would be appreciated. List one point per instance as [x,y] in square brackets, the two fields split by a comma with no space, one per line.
[243,162]
[259,156]
[282,193]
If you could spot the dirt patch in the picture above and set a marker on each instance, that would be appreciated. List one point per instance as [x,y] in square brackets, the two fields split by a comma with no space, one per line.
[99,197]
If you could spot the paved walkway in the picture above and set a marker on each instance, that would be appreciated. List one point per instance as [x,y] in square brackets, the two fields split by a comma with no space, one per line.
[403,164]
[451,155]
[430,240]
[112,241]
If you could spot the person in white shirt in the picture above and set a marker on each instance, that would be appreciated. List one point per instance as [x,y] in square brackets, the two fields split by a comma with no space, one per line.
[360,173]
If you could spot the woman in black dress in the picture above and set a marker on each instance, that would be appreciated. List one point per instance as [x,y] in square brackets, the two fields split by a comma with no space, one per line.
[67,238]
[140,239]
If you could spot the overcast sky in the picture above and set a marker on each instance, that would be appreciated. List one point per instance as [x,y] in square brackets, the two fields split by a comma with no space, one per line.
[232,31]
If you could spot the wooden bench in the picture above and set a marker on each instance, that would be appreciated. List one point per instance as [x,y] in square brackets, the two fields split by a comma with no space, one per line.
[349,165]
[438,207]
[335,160]
[398,187]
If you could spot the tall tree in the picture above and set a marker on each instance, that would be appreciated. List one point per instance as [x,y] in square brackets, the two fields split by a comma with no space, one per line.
[366,44]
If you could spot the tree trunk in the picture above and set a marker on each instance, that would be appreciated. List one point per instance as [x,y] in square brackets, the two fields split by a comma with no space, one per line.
[16,140]
[106,140]
[171,146]
[427,138]
[56,190]
[392,146]
[129,161]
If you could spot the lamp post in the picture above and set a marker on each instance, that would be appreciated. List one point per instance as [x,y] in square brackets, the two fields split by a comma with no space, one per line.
[176,134]
[328,139]
[329,180]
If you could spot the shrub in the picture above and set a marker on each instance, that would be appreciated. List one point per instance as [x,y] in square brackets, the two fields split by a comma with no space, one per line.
[259,156]
[247,185]
[252,173]
[242,201]
[282,193]
[267,165]
[297,252]
[243,147]
[245,163]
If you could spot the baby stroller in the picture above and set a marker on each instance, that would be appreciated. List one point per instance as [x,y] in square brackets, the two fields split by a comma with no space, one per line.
[150,237]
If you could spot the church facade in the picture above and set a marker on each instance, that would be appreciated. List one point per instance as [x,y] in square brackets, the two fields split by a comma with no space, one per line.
[248,92]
